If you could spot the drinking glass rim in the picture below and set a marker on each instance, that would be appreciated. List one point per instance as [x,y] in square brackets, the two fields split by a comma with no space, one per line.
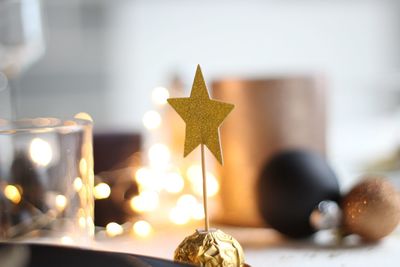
[42,125]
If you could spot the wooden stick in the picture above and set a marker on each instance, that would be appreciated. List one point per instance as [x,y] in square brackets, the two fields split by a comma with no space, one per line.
[203,169]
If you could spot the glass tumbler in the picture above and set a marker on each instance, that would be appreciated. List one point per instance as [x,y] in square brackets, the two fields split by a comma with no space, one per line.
[46,181]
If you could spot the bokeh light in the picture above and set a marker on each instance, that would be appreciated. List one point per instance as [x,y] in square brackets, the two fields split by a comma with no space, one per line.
[12,193]
[186,202]
[194,174]
[67,240]
[142,228]
[160,95]
[102,191]
[198,212]
[152,120]
[146,201]
[114,229]
[142,174]
[83,116]
[61,202]
[40,152]
[148,179]
[82,222]
[83,167]
[78,184]
[174,183]
[159,155]
[178,216]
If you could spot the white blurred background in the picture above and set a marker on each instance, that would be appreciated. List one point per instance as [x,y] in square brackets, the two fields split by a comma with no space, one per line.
[105,57]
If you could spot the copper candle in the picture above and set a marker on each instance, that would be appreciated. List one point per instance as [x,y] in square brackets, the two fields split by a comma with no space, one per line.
[271,115]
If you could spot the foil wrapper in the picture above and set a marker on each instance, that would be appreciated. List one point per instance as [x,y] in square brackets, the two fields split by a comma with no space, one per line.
[210,249]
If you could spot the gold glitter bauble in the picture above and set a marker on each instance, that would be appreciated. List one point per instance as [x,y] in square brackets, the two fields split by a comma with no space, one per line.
[371,209]
[210,249]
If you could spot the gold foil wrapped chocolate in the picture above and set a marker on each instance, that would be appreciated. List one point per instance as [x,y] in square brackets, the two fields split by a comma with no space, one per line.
[210,249]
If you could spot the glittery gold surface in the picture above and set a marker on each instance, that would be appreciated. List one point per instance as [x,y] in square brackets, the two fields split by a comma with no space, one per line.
[371,209]
[202,116]
[210,249]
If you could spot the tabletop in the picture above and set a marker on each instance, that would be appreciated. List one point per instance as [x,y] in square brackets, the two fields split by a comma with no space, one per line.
[265,247]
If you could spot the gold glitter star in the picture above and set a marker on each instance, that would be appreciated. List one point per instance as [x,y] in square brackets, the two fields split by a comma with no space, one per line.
[202,116]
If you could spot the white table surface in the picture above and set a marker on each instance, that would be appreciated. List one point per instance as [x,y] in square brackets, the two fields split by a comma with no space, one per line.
[264,247]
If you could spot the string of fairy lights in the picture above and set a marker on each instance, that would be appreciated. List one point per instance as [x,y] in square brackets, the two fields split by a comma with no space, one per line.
[168,194]
[178,188]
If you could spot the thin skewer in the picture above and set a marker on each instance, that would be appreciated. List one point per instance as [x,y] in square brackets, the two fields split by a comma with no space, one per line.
[203,169]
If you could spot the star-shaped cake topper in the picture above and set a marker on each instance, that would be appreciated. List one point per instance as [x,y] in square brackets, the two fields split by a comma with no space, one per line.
[202,116]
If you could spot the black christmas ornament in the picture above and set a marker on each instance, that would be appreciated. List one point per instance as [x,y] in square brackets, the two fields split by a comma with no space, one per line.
[291,186]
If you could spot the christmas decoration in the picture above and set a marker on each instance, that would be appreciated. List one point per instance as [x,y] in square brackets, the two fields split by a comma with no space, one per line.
[371,209]
[203,117]
[291,185]
[299,195]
